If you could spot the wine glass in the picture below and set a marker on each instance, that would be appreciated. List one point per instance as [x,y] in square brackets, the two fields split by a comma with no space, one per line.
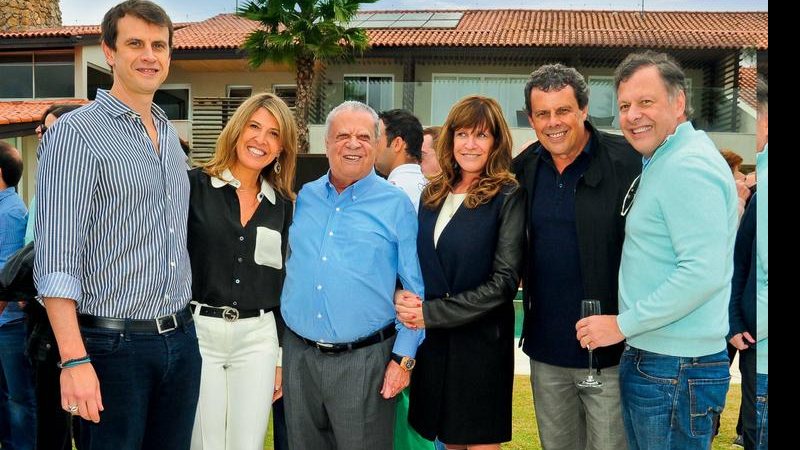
[589,307]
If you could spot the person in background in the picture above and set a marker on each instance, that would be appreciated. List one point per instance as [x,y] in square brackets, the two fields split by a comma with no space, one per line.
[17,395]
[49,117]
[111,262]
[677,262]
[353,237]
[399,152]
[239,214]
[742,190]
[462,387]
[429,161]
[576,178]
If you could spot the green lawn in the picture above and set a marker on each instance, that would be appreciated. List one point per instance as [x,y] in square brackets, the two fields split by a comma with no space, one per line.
[526,436]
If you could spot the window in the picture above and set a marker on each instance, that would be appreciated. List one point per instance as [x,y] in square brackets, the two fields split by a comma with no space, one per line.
[287,93]
[239,91]
[174,100]
[374,90]
[506,89]
[37,75]
[603,109]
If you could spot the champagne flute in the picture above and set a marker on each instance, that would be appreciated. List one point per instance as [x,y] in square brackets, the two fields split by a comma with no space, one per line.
[589,307]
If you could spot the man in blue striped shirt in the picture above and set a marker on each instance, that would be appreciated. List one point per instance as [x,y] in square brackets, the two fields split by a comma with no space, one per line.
[111,261]
[354,235]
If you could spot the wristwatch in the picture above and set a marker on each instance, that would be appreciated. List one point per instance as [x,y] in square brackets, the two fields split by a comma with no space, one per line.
[405,362]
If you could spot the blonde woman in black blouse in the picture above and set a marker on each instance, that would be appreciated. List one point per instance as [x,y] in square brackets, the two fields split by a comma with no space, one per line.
[239,216]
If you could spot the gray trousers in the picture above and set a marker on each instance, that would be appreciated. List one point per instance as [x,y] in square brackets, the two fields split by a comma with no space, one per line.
[333,400]
[573,418]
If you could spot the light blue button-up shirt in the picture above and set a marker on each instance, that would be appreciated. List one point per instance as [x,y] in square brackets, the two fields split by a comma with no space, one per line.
[13,217]
[346,252]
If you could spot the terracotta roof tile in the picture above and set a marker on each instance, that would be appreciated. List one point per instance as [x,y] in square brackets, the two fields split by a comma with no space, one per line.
[224,31]
[513,28]
[507,28]
[66,31]
[28,111]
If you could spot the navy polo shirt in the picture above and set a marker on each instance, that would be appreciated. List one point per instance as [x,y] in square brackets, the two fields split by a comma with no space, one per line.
[555,263]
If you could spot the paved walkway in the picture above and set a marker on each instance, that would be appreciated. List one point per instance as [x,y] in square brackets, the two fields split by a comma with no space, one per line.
[522,365]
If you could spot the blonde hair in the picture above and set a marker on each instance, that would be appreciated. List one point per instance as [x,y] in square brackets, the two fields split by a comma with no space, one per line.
[225,152]
[472,112]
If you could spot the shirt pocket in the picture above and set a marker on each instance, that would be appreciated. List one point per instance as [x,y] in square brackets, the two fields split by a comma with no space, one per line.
[268,248]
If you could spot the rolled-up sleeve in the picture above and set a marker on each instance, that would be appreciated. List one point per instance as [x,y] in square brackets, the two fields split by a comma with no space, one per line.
[65,180]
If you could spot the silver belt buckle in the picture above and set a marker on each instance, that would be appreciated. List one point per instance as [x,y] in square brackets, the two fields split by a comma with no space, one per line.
[323,345]
[166,329]
[230,314]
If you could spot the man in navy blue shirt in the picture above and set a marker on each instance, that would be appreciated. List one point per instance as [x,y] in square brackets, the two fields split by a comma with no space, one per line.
[576,177]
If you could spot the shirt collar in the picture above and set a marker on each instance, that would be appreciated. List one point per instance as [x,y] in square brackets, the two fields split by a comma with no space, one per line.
[406,168]
[227,178]
[7,192]
[354,190]
[117,107]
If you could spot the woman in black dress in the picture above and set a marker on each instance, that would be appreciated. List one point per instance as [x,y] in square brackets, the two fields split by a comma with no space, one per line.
[470,242]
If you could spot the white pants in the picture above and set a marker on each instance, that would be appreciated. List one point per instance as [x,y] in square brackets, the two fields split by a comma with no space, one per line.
[237,382]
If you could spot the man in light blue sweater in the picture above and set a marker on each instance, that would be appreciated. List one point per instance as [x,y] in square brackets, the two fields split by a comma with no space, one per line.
[677,263]
[762,271]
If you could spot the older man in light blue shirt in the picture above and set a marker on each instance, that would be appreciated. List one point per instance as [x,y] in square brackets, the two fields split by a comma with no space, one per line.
[353,237]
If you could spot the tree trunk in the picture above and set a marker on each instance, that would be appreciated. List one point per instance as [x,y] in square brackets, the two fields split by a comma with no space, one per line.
[305,79]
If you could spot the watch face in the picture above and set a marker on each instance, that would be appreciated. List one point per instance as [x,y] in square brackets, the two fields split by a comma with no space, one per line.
[408,363]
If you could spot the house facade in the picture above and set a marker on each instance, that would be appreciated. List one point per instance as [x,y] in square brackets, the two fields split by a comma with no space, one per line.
[423,61]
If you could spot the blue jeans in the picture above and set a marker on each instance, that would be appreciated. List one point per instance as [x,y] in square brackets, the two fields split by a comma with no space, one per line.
[762,442]
[149,384]
[17,394]
[671,402]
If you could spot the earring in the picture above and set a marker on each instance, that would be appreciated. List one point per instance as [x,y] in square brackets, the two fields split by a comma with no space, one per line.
[277,167]
[455,165]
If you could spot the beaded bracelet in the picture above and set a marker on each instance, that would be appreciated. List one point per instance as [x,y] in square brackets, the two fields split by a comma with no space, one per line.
[74,362]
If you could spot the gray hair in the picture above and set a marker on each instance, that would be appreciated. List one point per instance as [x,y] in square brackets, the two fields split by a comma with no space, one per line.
[554,77]
[671,73]
[352,105]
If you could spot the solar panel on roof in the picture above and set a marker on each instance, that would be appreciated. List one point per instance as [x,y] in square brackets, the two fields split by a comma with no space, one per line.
[441,24]
[377,24]
[386,16]
[408,24]
[447,16]
[416,16]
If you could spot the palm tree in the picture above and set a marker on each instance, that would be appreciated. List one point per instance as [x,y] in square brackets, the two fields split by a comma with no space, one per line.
[303,32]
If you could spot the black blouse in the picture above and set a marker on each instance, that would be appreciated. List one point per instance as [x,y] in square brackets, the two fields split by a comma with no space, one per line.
[236,266]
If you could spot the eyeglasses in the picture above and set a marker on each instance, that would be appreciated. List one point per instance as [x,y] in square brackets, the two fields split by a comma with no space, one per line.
[627,202]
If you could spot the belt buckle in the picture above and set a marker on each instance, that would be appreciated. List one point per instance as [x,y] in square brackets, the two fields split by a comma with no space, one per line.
[324,346]
[230,314]
[167,329]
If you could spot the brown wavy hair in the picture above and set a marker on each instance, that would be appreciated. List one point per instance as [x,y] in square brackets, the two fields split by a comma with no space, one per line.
[472,112]
[225,151]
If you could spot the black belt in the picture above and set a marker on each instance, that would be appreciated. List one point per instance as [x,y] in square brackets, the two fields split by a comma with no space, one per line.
[230,314]
[325,347]
[159,325]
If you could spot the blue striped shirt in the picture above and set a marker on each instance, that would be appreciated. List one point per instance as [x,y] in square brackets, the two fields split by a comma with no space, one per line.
[111,220]
[346,252]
